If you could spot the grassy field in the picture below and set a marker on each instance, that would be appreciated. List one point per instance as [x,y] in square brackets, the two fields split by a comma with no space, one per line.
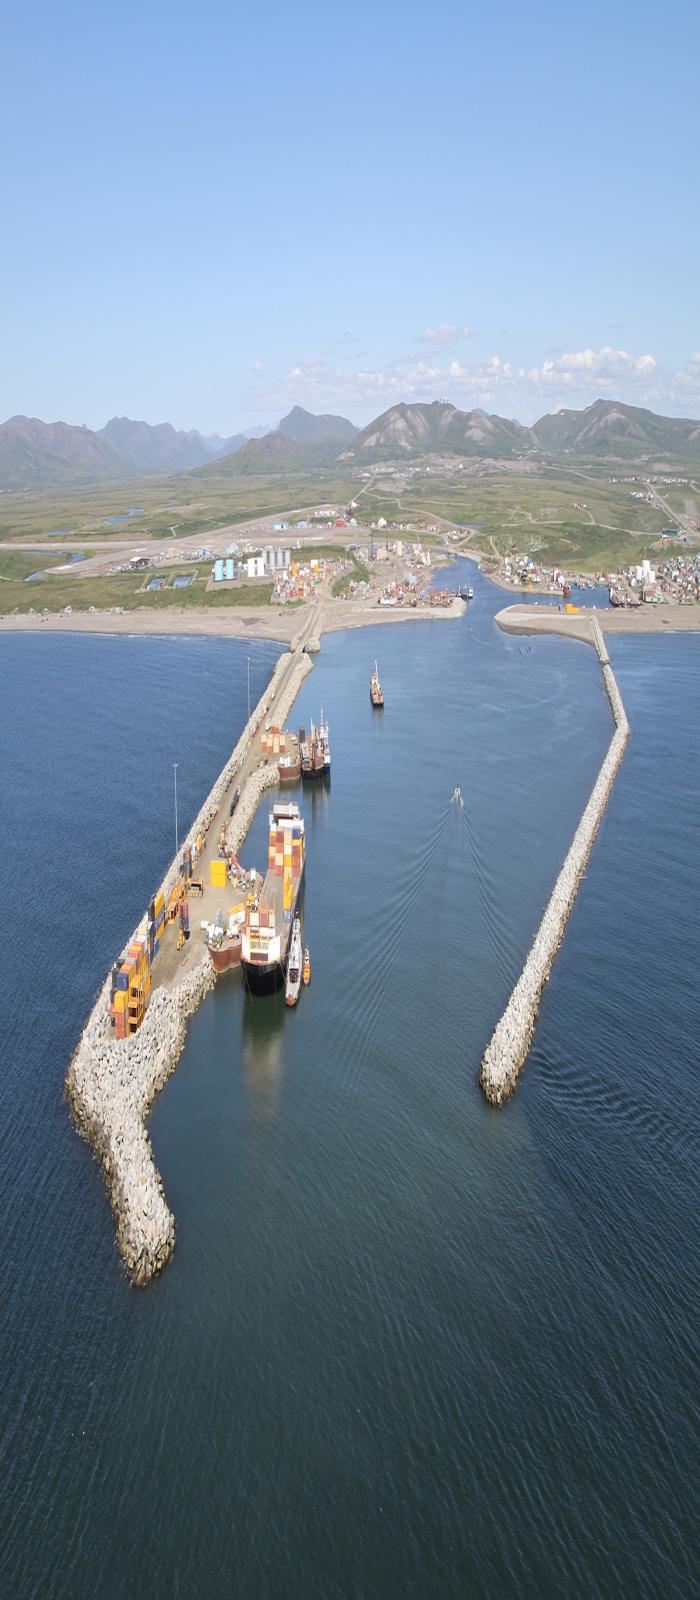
[571,516]
[54,590]
[565,518]
[169,507]
[358,573]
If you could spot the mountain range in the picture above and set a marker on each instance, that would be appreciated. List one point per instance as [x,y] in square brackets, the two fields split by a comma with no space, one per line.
[44,455]
[440,429]
[38,455]
[162,448]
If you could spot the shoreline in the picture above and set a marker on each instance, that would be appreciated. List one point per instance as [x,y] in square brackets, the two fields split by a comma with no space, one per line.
[229,622]
[522,618]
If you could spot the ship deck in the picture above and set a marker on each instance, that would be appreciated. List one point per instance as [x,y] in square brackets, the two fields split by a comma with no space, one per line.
[271,897]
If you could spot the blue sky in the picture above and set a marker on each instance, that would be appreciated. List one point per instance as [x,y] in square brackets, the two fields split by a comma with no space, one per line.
[214,211]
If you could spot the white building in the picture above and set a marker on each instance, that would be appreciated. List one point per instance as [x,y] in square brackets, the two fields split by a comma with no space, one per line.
[255,566]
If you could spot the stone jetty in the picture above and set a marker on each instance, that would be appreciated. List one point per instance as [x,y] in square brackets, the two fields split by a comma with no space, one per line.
[111,1083]
[508,1048]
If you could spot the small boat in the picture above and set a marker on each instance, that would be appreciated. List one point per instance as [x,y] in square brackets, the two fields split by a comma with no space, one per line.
[306,973]
[293,984]
[458,796]
[376,693]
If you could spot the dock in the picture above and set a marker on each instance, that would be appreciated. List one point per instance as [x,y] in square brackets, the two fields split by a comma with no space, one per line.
[110,1083]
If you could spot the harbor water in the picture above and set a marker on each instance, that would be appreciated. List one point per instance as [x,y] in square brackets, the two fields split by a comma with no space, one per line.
[407,1346]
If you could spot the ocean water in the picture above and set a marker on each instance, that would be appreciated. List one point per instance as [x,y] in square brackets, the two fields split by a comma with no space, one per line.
[407,1346]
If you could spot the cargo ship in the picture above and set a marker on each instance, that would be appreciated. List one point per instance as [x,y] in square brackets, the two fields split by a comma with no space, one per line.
[315,751]
[376,692]
[271,907]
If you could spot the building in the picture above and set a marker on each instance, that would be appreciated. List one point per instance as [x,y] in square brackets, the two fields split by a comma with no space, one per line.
[277,558]
[255,566]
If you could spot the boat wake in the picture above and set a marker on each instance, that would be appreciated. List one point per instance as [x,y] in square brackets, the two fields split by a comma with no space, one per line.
[497,937]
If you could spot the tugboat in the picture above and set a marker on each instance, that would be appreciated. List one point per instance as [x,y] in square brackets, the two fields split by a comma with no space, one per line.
[466,592]
[376,692]
[306,974]
[294,966]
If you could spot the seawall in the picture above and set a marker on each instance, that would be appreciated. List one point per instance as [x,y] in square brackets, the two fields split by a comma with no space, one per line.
[111,1083]
[508,1048]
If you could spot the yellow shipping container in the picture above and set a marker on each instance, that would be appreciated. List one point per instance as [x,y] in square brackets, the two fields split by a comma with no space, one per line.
[121,999]
[217,874]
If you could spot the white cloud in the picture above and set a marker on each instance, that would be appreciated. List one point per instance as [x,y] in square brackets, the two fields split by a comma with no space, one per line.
[572,378]
[448,333]
[606,363]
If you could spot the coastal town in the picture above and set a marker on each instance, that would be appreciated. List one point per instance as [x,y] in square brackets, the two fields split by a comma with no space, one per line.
[673,581]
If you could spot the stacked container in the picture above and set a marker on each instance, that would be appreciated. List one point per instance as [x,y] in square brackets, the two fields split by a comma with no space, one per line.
[217,874]
[297,852]
[275,858]
[131,987]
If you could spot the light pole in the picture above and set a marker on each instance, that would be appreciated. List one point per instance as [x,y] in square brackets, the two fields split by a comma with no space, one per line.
[177,842]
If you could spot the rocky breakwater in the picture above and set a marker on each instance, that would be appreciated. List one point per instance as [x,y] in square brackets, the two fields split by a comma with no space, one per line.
[508,1048]
[111,1083]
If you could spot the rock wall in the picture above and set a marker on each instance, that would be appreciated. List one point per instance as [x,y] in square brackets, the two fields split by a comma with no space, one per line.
[510,1042]
[111,1083]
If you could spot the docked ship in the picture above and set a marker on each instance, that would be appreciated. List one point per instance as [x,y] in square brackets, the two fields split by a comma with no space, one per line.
[271,908]
[376,693]
[315,750]
[294,965]
[226,952]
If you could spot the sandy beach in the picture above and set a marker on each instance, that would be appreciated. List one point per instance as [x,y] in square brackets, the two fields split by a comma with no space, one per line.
[230,622]
[642,619]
